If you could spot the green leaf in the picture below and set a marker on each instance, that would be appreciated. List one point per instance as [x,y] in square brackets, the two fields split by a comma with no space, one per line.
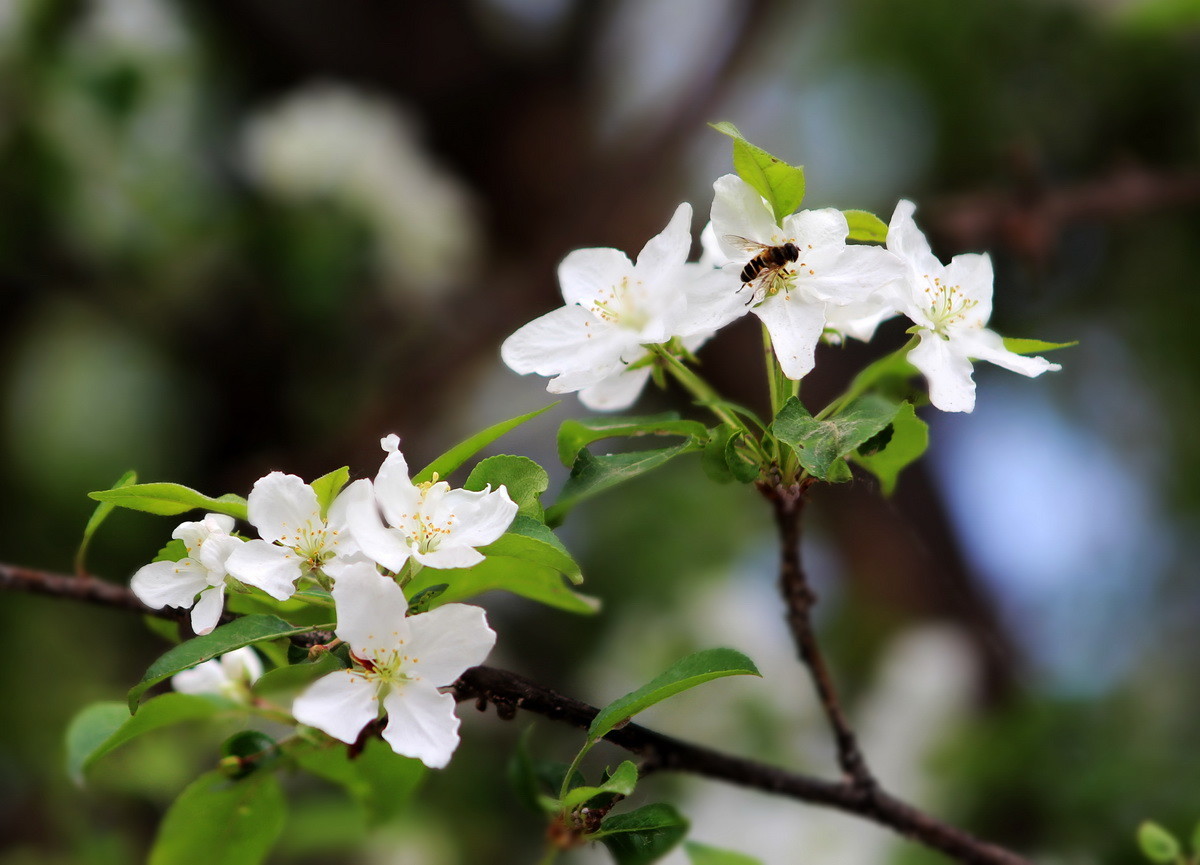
[292,677]
[695,669]
[574,435]
[1034,346]
[820,443]
[743,469]
[524,479]
[865,226]
[642,836]
[378,779]
[1157,843]
[782,185]
[594,474]
[621,783]
[460,453]
[328,486]
[251,750]
[102,727]
[172,552]
[1196,841]
[531,541]
[170,499]
[909,439]
[702,854]
[423,600]
[240,632]
[521,576]
[99,516]
[712,458]
[217,819]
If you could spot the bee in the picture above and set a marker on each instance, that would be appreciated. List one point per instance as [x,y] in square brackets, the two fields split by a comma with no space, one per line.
[764,273]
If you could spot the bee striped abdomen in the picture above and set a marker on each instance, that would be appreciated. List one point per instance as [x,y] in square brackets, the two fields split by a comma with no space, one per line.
[771,257]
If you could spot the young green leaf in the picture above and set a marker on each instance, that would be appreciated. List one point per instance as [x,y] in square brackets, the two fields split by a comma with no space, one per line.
[217,819]
[463,451]
[102,727]
[328,486]
[865,226]
[782,185]
[702,854]
[573,435]
[695,669]
[531,541]
[524,479]
[909,439]
[642,836]
[819,443]
[521,576]
[712,458]
[1034,346]
[594,474]
[170,499]
[99,516]
[240,632]
[621,783]
[1157,843]
[292,677]
[743,468]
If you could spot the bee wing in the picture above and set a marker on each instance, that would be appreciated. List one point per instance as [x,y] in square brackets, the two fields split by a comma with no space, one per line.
[745,244]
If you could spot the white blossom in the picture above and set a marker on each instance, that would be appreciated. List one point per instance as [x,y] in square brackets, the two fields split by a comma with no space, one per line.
[429,522]
[399,664]
[830,285]
[296,539]
[197,579]
[231,675]
[950,304]
[615,308]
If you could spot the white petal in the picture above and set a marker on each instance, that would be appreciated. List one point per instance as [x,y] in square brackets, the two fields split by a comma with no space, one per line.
[383,545]
[711,254]
[207,611]
[371,611]
[972,274]
[856,274]
[907,241]
[449,557]
[169,584]
[566,342]
[588,275]
[989,345]
[448,640]
[397,496]
[242,665]
[280,504]
[215,553]
[421,724]
[218,523]
[207,678]
[819,232]
[666,252]
[340,704]
[272,568]
[947,370]
[713,300]
[474,518]
[795,326]
[193,534]
[739,211]
[617,391]
[858,320]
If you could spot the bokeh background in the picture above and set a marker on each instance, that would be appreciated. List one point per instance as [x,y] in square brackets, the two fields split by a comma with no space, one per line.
[254,235]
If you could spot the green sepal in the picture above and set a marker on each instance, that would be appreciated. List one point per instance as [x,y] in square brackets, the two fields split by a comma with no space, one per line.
[819,444]
[444,465]
[327,487]
[99,515]
[865,226]
[103,727]
[695,669]
[216,819]
[574,435]
[170,499]
[523,478]
[240,632]
[1157,844]
[908,441]
[642,836]
[781,184]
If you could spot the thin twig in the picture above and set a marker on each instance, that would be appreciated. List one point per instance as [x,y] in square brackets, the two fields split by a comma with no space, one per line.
[509,692]
[787,501]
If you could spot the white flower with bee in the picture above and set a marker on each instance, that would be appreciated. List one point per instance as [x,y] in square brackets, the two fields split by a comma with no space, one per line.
[802,276]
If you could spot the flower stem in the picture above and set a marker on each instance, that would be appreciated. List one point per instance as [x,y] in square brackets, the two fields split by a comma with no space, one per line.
[566,783]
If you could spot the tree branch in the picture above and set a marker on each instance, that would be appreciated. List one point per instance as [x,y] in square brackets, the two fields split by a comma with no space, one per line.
[509,692]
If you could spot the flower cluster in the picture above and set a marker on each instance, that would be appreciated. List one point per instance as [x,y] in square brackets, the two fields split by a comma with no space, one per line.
[798,275]
[399,662]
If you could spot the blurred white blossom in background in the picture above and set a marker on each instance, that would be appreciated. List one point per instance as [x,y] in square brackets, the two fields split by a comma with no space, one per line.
[363,152]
